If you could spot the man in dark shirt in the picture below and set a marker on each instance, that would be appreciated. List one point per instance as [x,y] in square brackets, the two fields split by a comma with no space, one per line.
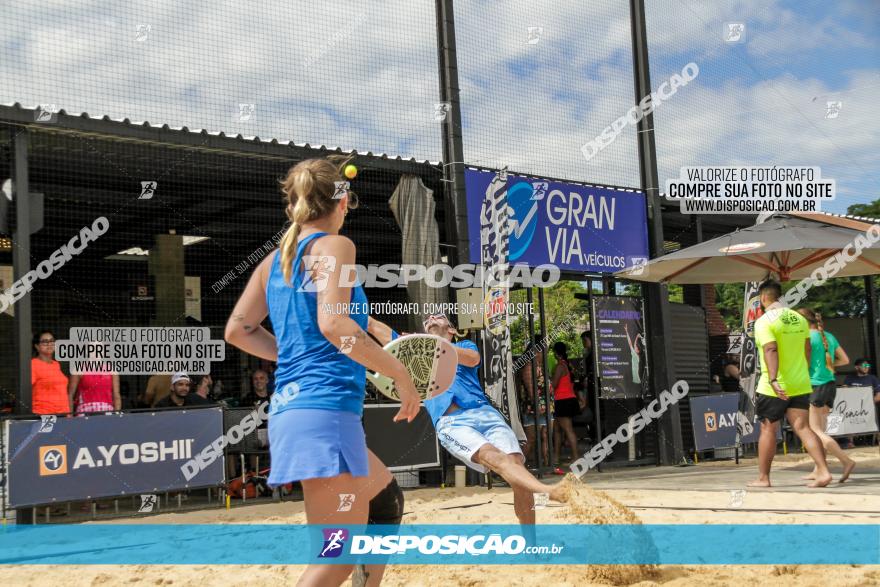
[201,396]
[864,378]
[180,385]
[259,393]
[589,365]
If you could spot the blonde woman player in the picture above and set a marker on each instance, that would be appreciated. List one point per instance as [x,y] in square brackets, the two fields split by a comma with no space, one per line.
[471,429]
[315,431]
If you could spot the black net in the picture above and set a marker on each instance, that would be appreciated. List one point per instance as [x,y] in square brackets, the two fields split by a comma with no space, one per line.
[537,85]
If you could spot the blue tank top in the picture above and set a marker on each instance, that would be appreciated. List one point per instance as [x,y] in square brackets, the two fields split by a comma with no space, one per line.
[311,373]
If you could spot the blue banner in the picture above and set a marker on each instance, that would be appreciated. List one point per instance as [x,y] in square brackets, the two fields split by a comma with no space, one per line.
[708,544]
[68,459]
[714,419]
[575,227]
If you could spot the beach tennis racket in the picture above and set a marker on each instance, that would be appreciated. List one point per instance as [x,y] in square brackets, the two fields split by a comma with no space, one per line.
[430,360]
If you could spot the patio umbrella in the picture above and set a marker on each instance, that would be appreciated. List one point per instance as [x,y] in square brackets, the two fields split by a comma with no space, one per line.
[789,246]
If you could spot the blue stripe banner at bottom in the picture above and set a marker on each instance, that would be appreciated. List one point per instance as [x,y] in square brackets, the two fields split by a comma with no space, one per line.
[711,544]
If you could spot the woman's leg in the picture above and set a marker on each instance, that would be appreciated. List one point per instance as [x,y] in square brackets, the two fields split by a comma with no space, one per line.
[545,445]
[322,507]
[379,479]
[818,424]
[813,415]
[800,423]
[530,442]
[557,444]
[567,427]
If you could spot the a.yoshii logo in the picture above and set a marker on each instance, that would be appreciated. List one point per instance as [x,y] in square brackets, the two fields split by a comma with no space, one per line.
[711,422]
[53,460]
[334,542]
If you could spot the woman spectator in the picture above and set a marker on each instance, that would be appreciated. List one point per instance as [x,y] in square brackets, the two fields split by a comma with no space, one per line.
[567,405]
[94,392]
[729,377]
[826,355]
[532,416]
[48,382]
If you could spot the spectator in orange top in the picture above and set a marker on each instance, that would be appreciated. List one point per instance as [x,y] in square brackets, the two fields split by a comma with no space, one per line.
[48,383]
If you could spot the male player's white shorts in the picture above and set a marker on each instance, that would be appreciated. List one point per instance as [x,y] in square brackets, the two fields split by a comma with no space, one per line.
[462,433]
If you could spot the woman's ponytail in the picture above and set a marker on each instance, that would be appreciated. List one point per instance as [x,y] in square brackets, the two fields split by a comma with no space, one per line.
[829,360]
[309,187]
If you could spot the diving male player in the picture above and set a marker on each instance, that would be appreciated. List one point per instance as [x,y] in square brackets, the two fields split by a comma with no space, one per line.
[470,428]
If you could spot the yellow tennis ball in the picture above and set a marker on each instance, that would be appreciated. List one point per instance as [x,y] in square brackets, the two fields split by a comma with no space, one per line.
[350,171]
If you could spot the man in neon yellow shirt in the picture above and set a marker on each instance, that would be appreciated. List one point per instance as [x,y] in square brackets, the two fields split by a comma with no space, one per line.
[783,339]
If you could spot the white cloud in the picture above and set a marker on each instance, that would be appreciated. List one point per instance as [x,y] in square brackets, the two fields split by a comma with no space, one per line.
[774,123]
[365,77]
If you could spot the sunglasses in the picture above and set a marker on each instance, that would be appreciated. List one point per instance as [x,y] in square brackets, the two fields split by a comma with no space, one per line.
[865,365]
[435,317]
[51,341]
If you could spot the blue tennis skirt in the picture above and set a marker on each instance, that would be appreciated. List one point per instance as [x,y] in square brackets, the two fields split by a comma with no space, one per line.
[311,443]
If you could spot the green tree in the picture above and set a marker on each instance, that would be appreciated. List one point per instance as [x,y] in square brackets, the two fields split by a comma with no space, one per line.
[729,301]
[842,297]
[567,316]
[871,210]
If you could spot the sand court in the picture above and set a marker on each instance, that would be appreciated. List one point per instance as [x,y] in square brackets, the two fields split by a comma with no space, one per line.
[705,494]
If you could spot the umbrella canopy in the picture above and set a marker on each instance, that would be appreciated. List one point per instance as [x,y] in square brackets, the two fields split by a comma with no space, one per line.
[789,246]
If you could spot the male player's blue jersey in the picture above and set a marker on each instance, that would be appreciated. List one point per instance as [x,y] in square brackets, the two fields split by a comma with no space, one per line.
[465,389]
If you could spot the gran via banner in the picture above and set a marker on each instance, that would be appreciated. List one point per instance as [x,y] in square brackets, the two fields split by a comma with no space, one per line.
[573,226]
[707,544]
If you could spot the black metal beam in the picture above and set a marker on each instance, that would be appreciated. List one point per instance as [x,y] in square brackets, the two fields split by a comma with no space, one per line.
[539,462]
[453,152]
[21,264]
[656,295]
[548,376]
[871,290]
[699,226]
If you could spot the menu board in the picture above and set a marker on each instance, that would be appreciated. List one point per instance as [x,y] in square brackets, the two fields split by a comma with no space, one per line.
[620,346]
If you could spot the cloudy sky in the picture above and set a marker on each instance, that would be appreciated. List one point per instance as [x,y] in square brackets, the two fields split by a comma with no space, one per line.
[362,75]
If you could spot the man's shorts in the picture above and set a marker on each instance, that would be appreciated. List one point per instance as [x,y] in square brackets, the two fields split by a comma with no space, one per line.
[823,395]
[773,408]
[462,433]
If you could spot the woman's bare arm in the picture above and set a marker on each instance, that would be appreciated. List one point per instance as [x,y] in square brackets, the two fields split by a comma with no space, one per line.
[72,384]
[558,373]
[117,398]
[243,329]
[341,330]
[380,330]
[841,359]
